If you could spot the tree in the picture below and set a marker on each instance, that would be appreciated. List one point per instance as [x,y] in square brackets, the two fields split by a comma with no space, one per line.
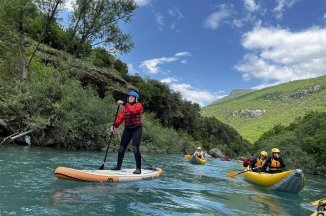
[97,21]
[101,58]
[50,8]
[17,13]
[121,67]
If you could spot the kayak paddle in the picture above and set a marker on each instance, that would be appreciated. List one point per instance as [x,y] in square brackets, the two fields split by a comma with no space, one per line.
[110,138]
[234,174]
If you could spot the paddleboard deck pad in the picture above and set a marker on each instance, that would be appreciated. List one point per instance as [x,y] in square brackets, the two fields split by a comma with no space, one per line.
[106,176]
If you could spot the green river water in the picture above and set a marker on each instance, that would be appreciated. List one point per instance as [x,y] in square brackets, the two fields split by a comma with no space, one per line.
[28,187]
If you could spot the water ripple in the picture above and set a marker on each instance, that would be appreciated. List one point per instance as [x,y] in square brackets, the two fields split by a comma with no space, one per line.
[28,187]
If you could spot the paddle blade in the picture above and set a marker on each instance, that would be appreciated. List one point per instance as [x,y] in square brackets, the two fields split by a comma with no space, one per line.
[101,167]
[232,174]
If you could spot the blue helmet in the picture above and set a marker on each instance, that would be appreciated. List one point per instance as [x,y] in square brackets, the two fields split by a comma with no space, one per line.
[134,94]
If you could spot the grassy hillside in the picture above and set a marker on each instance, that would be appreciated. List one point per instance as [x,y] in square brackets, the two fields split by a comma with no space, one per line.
[274,105]
[234,94]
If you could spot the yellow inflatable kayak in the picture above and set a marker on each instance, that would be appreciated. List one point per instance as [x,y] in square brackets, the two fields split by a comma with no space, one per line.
[187,156]
[196,160]
[106,176]
[289,181]
[321,207]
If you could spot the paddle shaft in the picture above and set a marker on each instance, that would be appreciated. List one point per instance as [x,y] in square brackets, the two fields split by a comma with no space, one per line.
[147,163]
[110,138]
[242,172]
[233,175]
[248,170]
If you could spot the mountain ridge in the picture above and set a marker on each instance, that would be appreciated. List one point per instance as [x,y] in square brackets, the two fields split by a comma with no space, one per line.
[255,113]
[234,94]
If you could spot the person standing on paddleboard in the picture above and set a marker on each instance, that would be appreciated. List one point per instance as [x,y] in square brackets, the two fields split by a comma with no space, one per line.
[131,116]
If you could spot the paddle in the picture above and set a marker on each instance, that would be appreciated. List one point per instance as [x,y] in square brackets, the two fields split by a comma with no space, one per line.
[234,174]
[110,138]
[150,166]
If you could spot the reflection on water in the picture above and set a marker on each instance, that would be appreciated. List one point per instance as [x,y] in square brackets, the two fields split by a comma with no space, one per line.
[267,204]
[28,187]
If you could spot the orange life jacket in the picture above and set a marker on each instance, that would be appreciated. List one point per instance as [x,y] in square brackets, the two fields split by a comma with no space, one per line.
[259,162]
[275,165]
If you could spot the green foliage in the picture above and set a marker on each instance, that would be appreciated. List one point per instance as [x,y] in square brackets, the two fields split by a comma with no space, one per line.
[302,143]
[121,67]
[101,58]
[158,139]
[54,36]
[97,23]
[279,102]
[58,109]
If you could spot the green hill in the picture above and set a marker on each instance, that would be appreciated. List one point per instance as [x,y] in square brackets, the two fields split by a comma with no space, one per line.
[257,112]
[234,94]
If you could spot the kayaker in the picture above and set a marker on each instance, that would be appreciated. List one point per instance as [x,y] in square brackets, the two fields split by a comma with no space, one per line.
[131,116]
[199,153]
[247,161]
[275,163]
[257,163]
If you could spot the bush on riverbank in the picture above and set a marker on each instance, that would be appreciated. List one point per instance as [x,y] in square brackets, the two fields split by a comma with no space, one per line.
[62,113]
[302,143]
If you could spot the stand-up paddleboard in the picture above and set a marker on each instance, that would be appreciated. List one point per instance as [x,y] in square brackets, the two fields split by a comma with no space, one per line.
[103,176]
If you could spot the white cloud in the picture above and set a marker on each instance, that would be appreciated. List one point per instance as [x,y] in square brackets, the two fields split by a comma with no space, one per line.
[169,80]
[282,5]
[214,20]
[142,3]
[159,20]
[179,54]
[265,85]
[202,97]
[69,4]
[250,5]
[152,65]
[175,12]
[279,55]
[132,70]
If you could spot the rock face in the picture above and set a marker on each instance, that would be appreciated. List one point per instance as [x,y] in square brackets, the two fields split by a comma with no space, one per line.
[246,112]
[321,170]
[104,79]
[305,92]
[260,112]
[215,153]
[4,130]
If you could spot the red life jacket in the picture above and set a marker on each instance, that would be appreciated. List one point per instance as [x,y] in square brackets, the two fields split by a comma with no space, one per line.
[132,120]
[131,115]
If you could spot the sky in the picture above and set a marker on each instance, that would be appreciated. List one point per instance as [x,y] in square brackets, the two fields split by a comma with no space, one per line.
[206,48]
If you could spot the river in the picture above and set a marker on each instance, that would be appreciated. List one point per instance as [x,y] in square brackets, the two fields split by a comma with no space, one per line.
[28,187]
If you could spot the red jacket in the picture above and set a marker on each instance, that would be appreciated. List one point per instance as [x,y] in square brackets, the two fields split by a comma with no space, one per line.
[131,115]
